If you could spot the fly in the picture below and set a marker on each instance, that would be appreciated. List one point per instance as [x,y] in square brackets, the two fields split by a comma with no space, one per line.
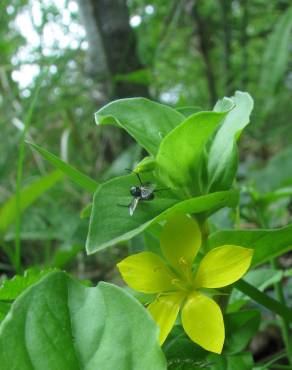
[142,192]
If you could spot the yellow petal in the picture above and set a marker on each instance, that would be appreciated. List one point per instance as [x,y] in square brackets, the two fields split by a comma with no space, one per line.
[223,266]
[164,311]
[146,272]
[203,322]
[180,240]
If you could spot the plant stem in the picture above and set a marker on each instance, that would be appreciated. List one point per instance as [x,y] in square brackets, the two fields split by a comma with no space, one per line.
[21,156]
[263,299]
[284,324]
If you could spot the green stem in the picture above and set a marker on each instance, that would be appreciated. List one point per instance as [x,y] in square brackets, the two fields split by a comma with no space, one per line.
[284,324]
[263,299]
[21,155]
[274,359]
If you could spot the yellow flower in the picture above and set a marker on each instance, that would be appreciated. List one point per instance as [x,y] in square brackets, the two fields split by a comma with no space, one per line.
[178,287]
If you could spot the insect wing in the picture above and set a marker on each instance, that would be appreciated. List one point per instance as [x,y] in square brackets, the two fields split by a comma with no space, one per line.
[133,205]
[146,191]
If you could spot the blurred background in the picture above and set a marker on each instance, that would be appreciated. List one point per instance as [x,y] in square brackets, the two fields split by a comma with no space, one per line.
[62,60]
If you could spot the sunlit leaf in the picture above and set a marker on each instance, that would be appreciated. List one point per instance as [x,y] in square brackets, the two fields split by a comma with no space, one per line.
[148,122]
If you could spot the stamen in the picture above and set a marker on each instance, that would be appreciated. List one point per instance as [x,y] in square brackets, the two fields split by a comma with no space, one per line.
[186,269]
[178,284]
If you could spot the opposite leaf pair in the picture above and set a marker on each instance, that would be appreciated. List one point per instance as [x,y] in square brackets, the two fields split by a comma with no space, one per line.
[178,287]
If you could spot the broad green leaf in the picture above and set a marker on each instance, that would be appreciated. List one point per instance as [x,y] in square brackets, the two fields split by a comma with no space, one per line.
[111,223]
[275,59]
[12,288]
[267,244]
[181,151]
[4,309]
[59,324]
[240,328]
[223,157]
[75,175]
[29,194]
[146,121]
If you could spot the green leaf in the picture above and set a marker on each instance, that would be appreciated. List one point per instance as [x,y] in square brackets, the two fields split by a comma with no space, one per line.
[240,328]
[110,222]
[146,121]
[240,361]
[275,59]
[276,174]
[75,175]
[188,110]
[59,324]
[223,157]
[267,244]
[4,309]
[29,194]
[127,159]
[264,300]
[11,289]
[181,151]
[262,278]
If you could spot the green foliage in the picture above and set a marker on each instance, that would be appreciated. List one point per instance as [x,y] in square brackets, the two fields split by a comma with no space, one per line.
[111,223]
[240,328]
[11,289]
[275,59]
[267,244]
[191,54]
[181,152]
[29,194]
[75,175]
[146,121]
[223,157]
[61,324]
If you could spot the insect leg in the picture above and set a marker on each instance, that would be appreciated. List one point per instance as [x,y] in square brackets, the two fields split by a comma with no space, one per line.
[136,173]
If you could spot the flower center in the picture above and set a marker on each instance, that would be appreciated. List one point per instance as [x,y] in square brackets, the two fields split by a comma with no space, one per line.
[185,280]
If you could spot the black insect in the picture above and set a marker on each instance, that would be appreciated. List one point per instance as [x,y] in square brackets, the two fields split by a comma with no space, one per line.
[142,192]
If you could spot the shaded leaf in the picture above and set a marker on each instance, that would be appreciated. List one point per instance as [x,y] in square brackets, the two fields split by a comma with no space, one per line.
[267,244]
[240,328]
[61,324]
[275,59]
[110,222]
[29,194]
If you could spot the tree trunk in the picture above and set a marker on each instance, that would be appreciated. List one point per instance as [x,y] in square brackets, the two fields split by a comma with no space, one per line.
[112,46]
